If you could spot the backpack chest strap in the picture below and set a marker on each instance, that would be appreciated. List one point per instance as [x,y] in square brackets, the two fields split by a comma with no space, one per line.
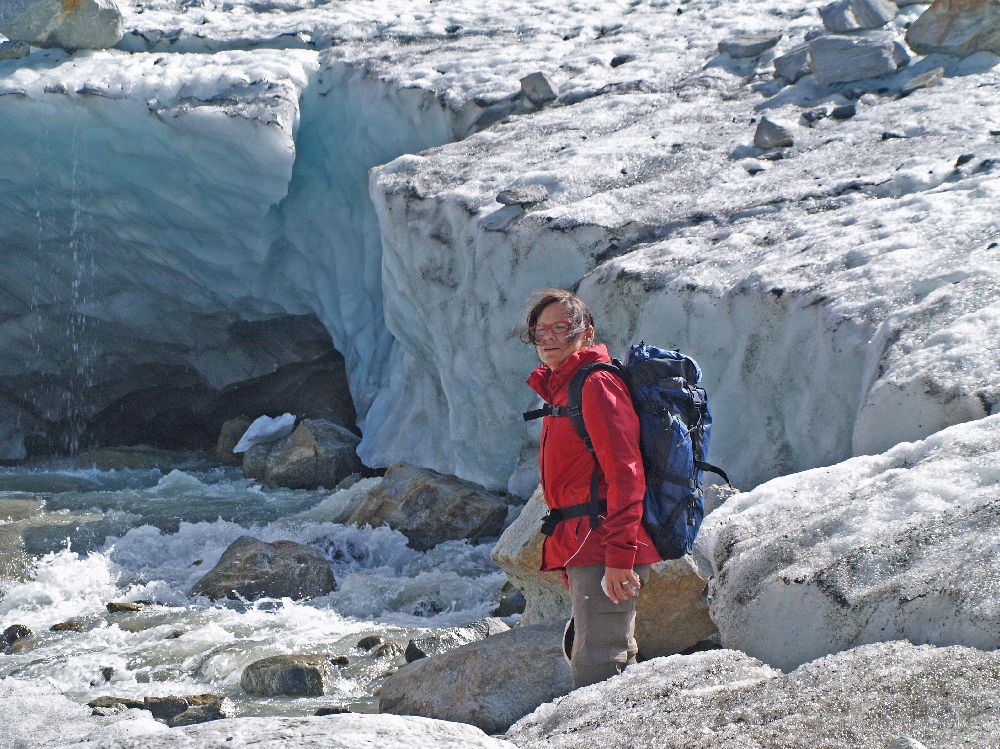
[547,410]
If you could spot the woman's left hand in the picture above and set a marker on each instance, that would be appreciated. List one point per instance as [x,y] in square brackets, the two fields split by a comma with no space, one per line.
[621,584]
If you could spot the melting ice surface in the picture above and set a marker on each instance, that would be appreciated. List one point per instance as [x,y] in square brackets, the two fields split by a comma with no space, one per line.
[147,535]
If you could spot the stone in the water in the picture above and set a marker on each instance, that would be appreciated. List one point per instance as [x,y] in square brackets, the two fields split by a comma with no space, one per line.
[72,24]
[14,50]
[854,15]
[428,507]
[332,710]
[390,649]
[539,89]
[511,601]
[770,134]
[957,27]
[318,453]
[449,639]
[13,634]
[523,196]
[253,569]
[122,607]
[288,675]
[107,672]
[70,625]
[229,435]
[841,59]
[844,111]
[489,684]
[370,643]
[924,80]
[749,45]
[793,64]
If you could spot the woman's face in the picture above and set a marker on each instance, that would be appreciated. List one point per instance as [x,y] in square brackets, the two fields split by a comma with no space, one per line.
[555,347]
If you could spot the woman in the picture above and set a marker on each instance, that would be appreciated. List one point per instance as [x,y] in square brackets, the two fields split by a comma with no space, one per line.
[618,549]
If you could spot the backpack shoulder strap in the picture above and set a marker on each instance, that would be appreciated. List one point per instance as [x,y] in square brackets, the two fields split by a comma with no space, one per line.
[576,395]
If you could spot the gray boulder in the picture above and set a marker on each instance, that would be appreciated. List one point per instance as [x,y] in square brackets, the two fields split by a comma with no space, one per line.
[749,45]
[318,453]
[792,65]
[449,639]
[489,684]
[957,27]
[14,50]
[73,24]
[539,89]
[854,15]
[253,569]
[770,134]
[725,699]
[289,675]
[841,59]
[428,507]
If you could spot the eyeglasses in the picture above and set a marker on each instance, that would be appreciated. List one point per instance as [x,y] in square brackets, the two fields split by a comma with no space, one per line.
[560,329]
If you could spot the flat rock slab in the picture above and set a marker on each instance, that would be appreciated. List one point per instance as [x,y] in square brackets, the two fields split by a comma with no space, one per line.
[289,675]
[841,59]
[428,507]
[794,64]
[957,27]
[489,684]
[750,45]
[254,569]
[725,699]
[854,15]
[523,196]
[73,24]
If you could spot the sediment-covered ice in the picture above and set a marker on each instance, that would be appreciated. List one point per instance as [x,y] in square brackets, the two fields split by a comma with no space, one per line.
[901,545]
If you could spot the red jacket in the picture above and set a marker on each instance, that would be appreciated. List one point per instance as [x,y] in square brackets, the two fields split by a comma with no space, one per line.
[566,465]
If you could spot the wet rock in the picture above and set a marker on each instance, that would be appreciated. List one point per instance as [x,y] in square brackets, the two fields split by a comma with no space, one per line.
[370,643]
[123,607]
[539,89]
[117,703]
[956,27]
[73,24]
[489,684]
[14,50]
[511,601]
[428,507]
[844,111]
[229,435]
[14,634]
[253,569]
[391,649]
[770,134]
[444,641]
[288,675]
[332,710]
[201,709]
[924,80]
[524,196]
[854,15]
[749,45]
[793,64]
[317,453]
[70,625]
[174,711]
[107,672]
[340,660]
[841,59]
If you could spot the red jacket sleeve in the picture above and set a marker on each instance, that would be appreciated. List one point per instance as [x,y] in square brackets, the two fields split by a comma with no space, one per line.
[613,427]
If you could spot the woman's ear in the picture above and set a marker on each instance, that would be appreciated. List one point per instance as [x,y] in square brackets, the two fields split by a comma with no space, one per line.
[588,335]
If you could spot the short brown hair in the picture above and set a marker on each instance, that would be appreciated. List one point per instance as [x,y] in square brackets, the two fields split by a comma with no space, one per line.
[580,317]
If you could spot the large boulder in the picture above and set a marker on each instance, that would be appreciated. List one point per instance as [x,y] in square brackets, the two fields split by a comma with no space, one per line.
[317,453]
[73,24]
[725,699]
[671,614]
[429,508]
[901,545]
[854,15]
[957,27]
[841,59]
[289,675]
[489,684]
[253,569]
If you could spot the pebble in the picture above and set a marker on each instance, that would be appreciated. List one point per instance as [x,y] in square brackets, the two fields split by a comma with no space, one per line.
[844,112]
[539,89]
[771,134]
[621,60]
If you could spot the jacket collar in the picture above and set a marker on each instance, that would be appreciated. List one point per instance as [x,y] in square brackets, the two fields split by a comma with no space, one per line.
[546,382]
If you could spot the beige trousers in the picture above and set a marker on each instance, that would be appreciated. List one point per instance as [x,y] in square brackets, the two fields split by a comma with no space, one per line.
[604,632]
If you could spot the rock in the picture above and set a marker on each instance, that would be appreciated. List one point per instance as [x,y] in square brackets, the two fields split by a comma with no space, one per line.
[429,508]
[793,64]
[73,24]
[812,116]
[750,45]
[770,134]
[332,710]
[348,731]
[924,80]
[539,89]
[70,625]
[449,639]
[956,27]
[318,453]
[340,660]
[724,699]
[618,60]
[229,435]
[107,672]
[14,50]
[800,572]
[518,552]
[905,742]
[13,634]
[289,675]
[511,601]
[854,15]
[370,643]
[253,569]
[120,703]
[391,649]
[844,111]
[524,196]
[754,166]
[489,684]
[123,607]
[174,711]
[840,59]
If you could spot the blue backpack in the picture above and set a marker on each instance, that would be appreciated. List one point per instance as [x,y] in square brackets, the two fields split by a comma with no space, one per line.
[675,426]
